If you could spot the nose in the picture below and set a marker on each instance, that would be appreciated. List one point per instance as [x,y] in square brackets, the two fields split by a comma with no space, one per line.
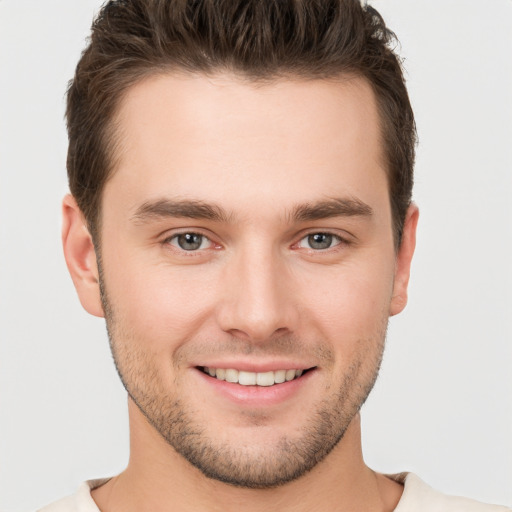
[258,302]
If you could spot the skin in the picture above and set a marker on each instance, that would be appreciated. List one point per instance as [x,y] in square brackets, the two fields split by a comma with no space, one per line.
[267,159]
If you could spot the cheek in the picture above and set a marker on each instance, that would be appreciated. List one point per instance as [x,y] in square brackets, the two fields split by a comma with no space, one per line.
[351,303]
[160,305]
[352,318]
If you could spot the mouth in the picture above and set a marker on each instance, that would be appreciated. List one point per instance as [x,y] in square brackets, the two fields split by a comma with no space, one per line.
[244,378]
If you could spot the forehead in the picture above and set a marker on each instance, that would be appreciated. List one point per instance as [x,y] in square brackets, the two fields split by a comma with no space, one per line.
[227,140]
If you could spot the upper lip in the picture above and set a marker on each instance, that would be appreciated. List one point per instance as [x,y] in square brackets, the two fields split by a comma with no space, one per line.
[256,367]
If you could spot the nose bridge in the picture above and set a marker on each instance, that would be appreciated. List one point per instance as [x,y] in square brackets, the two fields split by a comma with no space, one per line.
[257,301]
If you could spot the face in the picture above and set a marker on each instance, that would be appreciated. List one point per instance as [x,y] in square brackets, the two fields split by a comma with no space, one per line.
[248,267]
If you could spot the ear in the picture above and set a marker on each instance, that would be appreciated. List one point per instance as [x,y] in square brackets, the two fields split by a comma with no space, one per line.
[403,261]
[80,256]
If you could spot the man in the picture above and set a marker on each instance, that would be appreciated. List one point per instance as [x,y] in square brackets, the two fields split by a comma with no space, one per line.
[241,177]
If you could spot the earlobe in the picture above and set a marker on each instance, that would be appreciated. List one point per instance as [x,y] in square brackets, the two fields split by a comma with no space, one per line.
[80,256]
[403,261]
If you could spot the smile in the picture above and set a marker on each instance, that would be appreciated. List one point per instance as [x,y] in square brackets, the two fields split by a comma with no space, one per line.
[252,378]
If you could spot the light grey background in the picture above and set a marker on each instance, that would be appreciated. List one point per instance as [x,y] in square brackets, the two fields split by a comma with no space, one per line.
[442,406]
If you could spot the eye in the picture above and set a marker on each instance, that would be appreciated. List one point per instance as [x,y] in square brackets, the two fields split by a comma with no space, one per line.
[319,241]
[190,241]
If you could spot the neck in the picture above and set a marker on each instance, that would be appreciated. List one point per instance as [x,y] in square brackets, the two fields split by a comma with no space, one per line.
[158,479]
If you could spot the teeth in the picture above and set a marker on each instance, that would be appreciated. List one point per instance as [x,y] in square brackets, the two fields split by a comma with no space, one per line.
[265,379]
[290,375]
[251,378]
[247,378]
[232,375]
[279,376]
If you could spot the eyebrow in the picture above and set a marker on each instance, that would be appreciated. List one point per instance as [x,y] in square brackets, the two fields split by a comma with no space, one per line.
[335,207]
[194,209]
[191,209]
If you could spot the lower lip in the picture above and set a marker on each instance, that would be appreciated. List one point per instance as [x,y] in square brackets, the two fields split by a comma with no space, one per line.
[256,396]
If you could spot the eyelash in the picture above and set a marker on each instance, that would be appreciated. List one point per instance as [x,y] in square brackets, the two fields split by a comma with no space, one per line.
[337,239]
[175,237]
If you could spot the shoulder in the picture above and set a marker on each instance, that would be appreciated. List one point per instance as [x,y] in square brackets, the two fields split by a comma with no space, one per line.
[420,497]
[81,501]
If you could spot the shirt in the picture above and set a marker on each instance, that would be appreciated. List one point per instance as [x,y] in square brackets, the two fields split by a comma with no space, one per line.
[417,497]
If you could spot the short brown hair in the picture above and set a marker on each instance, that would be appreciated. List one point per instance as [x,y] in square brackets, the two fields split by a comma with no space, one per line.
[257,39]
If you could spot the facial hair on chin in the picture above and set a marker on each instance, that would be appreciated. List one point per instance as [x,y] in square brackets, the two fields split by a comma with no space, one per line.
[258,467]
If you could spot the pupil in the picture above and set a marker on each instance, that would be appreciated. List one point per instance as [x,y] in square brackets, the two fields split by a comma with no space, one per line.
[189,241]
[320,241]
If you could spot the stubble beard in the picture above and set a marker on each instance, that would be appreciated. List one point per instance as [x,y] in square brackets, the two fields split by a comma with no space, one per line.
[261,467]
